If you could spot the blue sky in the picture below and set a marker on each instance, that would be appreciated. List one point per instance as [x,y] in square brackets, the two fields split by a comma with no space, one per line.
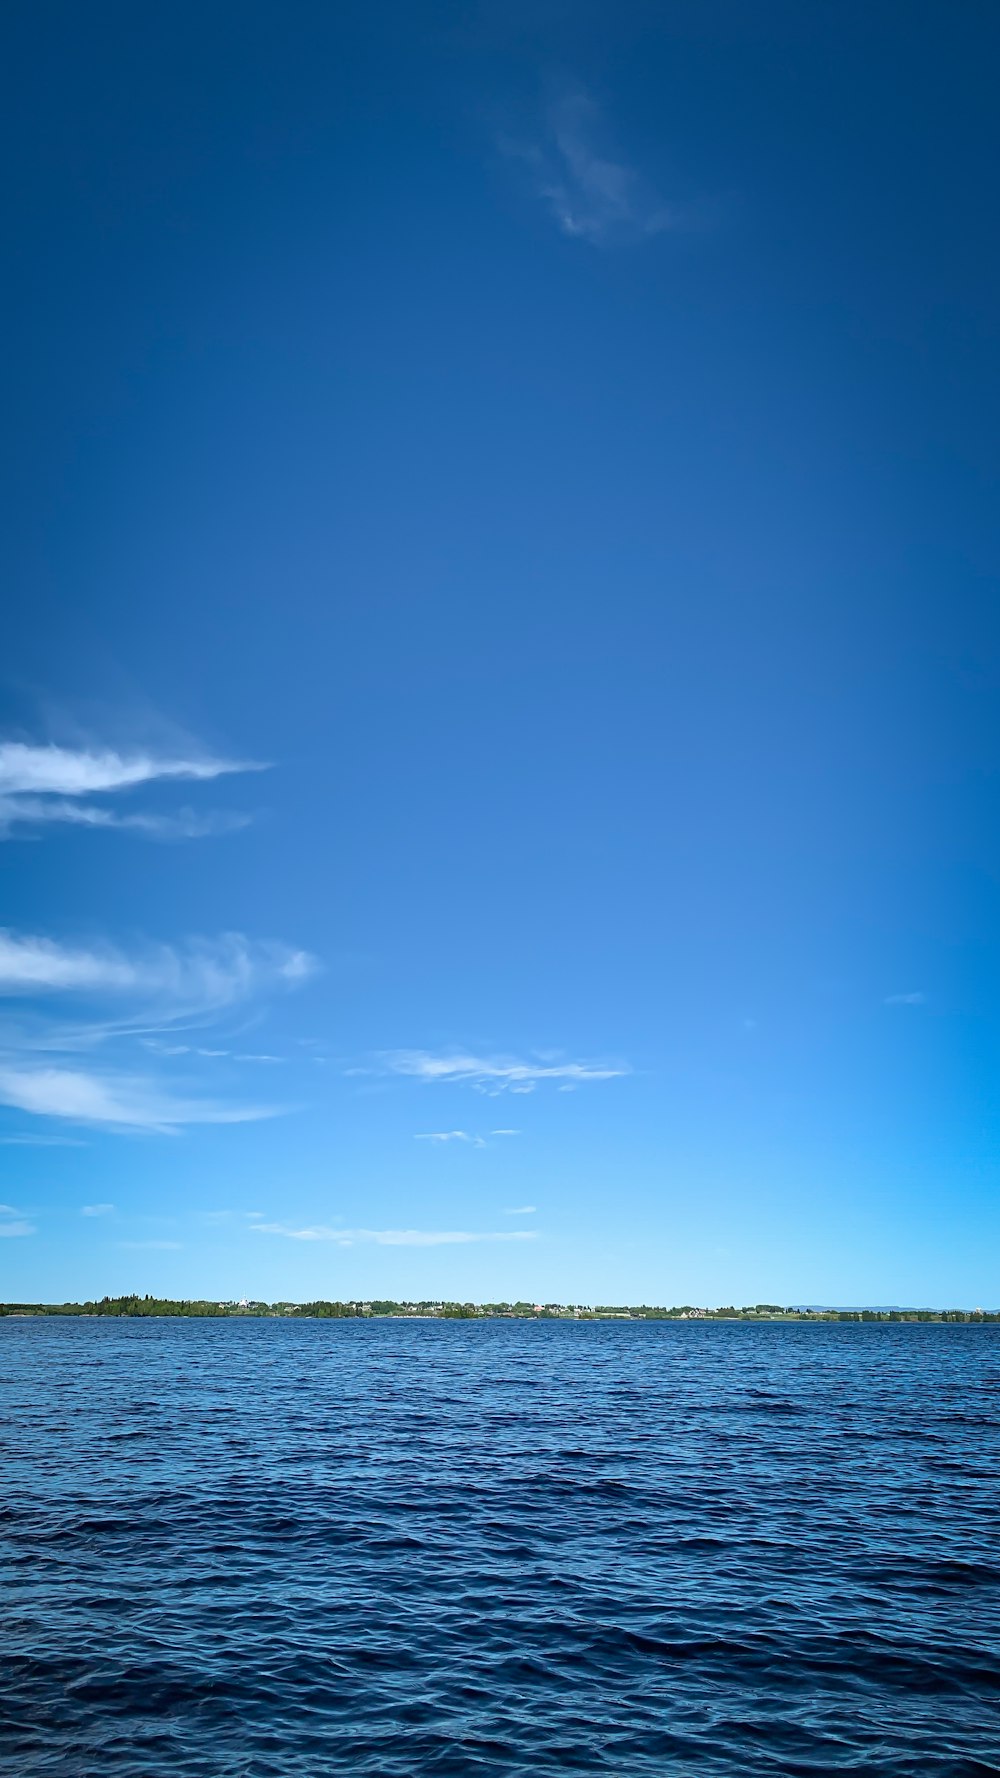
[499,747]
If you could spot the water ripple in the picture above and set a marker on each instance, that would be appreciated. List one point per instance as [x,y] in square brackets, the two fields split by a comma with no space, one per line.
[286,1549]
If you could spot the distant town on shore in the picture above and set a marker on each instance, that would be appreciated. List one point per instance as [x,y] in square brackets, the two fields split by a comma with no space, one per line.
[132,1306]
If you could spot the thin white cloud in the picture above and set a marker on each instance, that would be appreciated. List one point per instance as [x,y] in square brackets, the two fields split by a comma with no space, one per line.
[505,1132]
[71,771]
[114,1101]
[41,785]
[521,1210]
[916,999]
[29,964]
[388,1237]
[159,1048]
[96,1209]
[41,1142]
[495,1074]
[449,1136]
[593,194]
[205,975]
[114,993]
[126,994]
[185,824]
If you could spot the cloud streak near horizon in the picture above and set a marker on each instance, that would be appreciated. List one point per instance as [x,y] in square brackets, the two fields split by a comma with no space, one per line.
[389,1237]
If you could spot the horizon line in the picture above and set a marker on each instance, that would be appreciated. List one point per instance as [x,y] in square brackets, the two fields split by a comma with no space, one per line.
[429,1307]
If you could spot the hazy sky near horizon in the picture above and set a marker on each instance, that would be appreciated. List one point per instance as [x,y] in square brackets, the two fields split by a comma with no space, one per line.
[499,743]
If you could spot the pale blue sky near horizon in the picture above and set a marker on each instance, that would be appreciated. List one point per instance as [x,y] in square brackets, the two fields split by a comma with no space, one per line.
[499,752]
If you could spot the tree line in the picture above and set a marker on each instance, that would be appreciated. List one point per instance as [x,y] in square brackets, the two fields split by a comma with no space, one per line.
[323,1310]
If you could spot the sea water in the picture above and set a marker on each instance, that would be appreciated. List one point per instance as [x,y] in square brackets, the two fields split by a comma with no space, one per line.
[244,1547]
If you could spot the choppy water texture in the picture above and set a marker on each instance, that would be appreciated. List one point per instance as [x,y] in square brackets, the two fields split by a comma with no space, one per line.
[256,1548]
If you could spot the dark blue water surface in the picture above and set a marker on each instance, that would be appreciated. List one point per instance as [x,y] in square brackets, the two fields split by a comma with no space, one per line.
[274,1547]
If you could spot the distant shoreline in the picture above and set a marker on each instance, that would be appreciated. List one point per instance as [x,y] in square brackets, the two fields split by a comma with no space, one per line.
[161,1308]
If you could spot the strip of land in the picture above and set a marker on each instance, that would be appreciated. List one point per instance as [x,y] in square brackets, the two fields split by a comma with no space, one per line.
[131,1306]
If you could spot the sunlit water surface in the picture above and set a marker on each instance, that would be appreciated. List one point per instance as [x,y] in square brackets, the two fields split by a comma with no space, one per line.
[295,1548]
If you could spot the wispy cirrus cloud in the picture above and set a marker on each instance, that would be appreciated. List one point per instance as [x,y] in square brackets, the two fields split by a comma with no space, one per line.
[495,1074]
[591,191]
[521,1210]
[173,983]
[96,1209]
[68,999]
[449,1136]
[31,1140]
[115,1100]
[914,999]
[183,824]
[45,784]
[460,1136]
[388,1237]
[75,771]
